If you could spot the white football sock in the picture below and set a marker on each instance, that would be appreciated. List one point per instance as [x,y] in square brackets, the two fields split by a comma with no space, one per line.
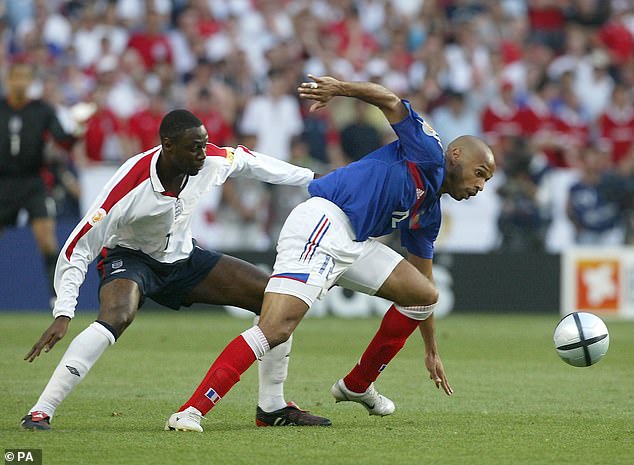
[81,355]
[272,372]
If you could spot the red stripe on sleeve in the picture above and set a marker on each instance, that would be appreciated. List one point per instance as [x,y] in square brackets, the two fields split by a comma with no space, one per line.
[135,176]
[215,151]
[246,150]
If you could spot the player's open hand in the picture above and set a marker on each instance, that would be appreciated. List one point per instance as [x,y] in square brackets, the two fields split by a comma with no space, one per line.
[437,373]
[49,338]
[322,89]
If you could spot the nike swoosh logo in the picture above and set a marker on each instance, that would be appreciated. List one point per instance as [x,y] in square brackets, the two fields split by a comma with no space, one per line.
[118,271]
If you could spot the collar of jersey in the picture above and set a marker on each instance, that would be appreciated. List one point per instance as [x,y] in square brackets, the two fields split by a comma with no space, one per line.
[156,182]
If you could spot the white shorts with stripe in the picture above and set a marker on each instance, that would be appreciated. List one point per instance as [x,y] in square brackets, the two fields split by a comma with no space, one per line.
[317,249]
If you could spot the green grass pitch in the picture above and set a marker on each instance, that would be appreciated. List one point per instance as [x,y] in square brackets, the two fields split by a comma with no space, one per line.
[515,402]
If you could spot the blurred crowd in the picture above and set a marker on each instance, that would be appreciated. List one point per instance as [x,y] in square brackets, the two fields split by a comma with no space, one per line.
[548,83]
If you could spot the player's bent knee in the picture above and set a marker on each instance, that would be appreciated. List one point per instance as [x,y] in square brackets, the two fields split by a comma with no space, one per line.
[428,297]
[107,330]
[278,337]
[117,317]
[433,297]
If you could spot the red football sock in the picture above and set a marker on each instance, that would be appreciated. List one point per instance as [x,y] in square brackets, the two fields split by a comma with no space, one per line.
[223,374]
[389,339]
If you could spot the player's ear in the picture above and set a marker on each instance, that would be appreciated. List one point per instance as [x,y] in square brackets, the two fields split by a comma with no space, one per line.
[455,153]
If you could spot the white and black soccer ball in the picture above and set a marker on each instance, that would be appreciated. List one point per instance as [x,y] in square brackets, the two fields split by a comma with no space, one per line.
[581,339]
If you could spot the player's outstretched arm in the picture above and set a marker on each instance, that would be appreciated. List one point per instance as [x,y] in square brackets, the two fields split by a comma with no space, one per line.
[324,88]
[49,338]
[433,363]
[427,328]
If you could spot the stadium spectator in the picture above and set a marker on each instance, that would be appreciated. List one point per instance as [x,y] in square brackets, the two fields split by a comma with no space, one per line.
[206,23]
[140,224]
[547,22]
[87,39]
[573,130]
[456,117]
[352,42]
[625,193]
[272,119]
[152,42]
[468,60]
[102,149]
[219,129]
[164,81]
[321,136]
[143,126]
[200,80]
[617,36]
[25,127]
[590,14]
[105,138]
[285,198]
[521,223]
[186,41]
[395,187]
[56,30]
[132,13]
[126,78]
[503,120]
[359,137]
[616,125]
[596,216]
[593,84]
[618,186]
[572,58]
[110,26]
[542,125]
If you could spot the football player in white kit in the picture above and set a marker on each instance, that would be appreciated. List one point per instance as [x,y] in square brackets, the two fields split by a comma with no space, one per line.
[141,226]
[329,240]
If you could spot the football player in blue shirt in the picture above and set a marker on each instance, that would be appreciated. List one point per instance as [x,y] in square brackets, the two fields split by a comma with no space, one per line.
[329,240]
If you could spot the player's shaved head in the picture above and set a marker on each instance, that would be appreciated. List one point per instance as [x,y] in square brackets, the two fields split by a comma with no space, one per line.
[176,122]
[474,148]
[470,163]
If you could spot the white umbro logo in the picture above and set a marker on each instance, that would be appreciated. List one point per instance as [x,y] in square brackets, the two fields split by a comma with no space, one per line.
[419,193]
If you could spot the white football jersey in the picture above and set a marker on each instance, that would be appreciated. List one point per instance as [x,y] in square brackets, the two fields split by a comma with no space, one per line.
[135,211]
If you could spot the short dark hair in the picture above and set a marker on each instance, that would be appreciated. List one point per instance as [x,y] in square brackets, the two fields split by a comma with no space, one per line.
[176,122]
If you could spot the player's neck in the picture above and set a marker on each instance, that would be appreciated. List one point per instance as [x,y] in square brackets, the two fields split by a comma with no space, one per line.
[17,101]
[176,184]
[173,181]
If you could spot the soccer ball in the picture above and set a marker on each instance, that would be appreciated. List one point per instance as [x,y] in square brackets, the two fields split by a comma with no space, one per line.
[581,339]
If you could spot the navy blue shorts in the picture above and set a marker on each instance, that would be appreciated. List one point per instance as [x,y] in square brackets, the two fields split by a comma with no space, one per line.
[166,283]
[27,193]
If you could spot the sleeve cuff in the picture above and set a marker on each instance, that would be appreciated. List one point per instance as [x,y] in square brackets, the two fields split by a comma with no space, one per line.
[69,313]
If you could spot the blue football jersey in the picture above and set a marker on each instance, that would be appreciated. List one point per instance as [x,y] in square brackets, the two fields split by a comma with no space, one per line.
[394,187]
